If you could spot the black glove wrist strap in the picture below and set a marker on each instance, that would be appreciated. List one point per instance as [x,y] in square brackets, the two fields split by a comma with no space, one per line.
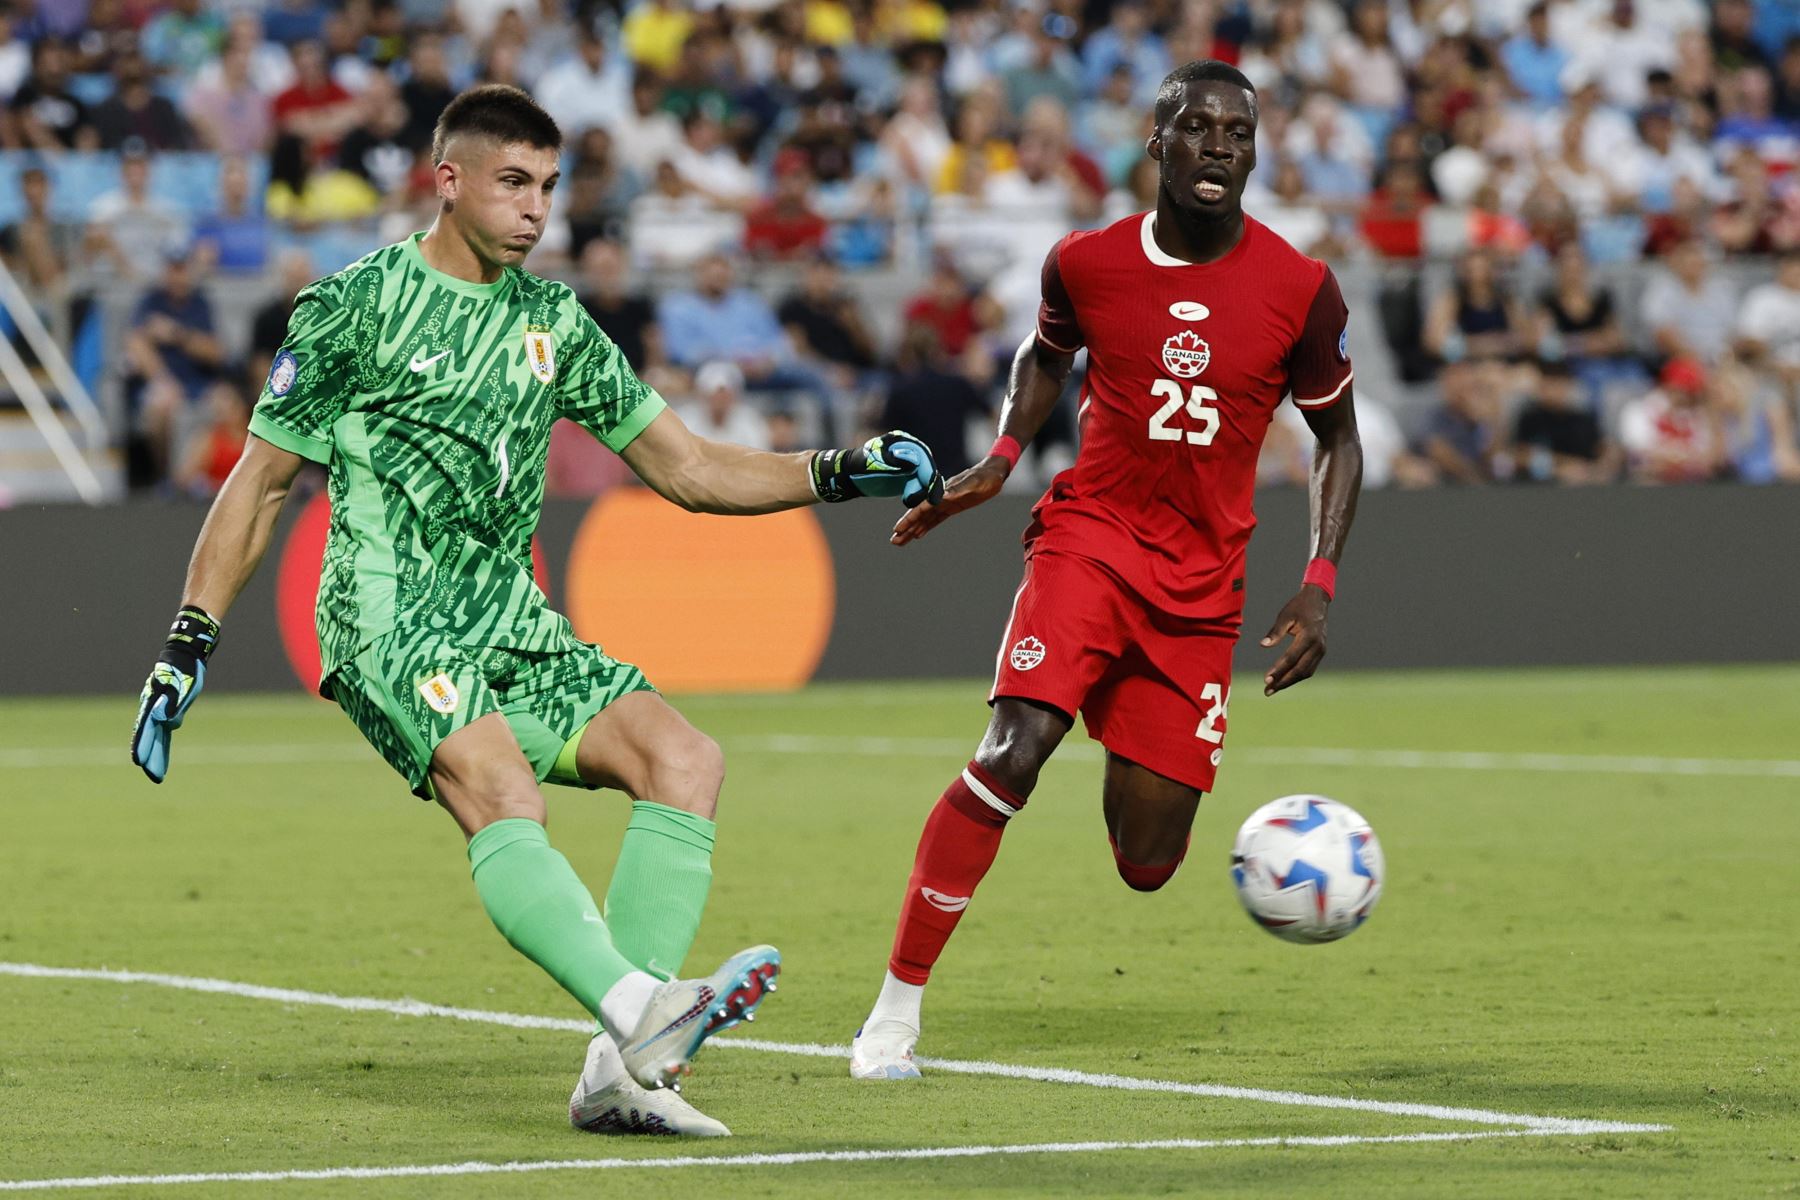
[831,482]
[194,632]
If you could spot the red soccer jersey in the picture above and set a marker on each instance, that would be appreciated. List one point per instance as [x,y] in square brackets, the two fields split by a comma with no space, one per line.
[1186,364]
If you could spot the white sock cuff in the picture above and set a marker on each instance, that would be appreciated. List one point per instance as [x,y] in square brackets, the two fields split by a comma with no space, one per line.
[623,1005]
[899,1001]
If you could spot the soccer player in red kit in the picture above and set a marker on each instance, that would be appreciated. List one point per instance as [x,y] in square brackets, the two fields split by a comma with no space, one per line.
[1197,321]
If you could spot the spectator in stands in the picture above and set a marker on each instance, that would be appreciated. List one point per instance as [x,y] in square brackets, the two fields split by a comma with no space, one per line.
[654,33]
[39,249]
[46,115]
[1392,222]
[1787,81]
[1534,61]
[184,37]
[644,135]
[1557,438]
[1620,50]
[977,130]
[628,316]
[235,236]
[134,110]
[375,149]
[232,114]
[212,454]
[1049,70]
[1367,72]
[784,224]
[1756,425]
[1125,41]
[1768,324]
[141,226]
[718,319]
[1755,220]
[174,355]
[584,90]
[268,329]
[825,323]
[1462,436]
[929,399]
[1664,155]
[1576,322]
[316,111]
[915,140]
[718,411]
[674,225]
[1290,212]
[1687,310]
[427,89]
[1671,434]
[1476,316]
[946,305]
[1733,35]
[709,166]
[15,56]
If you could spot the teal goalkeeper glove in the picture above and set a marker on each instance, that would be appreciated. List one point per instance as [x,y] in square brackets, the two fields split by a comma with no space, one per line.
[890,464]
[170,691]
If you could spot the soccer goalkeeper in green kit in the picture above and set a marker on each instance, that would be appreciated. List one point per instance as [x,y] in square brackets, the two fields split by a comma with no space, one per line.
[426,377]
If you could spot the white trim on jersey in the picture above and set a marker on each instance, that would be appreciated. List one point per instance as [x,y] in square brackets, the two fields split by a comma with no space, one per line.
[1039,331]
[987,797]
[1155,253]
[1324,400]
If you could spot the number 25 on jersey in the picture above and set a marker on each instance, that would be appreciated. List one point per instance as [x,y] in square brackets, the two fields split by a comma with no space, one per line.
[1198,405]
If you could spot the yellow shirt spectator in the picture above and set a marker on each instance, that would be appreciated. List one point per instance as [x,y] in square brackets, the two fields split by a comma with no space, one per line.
[902,21]
[829,23]
[655,32]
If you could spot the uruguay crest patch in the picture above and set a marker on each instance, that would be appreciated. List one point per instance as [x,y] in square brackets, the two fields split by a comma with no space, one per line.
[540,354]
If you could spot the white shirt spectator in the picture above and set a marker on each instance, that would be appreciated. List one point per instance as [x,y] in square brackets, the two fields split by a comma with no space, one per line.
[580,98]
[1771,315]
[668,232]
[1620,57]
[1703,317]
[1642,170]
[641,141]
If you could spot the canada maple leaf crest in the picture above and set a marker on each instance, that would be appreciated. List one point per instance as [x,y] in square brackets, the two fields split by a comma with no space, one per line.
[1186,355]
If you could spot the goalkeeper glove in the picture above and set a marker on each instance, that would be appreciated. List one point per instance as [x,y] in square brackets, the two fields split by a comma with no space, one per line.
[890,464]
[170,691]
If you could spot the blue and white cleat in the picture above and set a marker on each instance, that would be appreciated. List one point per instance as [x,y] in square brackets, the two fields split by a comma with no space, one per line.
[884,1050]
[683,1013]
[607,1100]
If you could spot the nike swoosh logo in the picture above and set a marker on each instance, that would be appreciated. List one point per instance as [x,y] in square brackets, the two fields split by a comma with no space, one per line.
[1188,310]
[419,364]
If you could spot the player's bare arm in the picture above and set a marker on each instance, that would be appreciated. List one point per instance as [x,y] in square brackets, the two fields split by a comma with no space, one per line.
[702,475]
[1336,481]
[231,544]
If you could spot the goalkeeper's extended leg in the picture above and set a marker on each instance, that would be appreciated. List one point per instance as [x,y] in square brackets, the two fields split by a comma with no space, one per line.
[959,843]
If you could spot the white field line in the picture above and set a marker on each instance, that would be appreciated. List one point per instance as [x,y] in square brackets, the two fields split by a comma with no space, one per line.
[799,1158]
[343,751]
[416,1008]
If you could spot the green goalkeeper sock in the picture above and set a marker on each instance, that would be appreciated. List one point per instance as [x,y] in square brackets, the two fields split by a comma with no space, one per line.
[659,886]
[535,898]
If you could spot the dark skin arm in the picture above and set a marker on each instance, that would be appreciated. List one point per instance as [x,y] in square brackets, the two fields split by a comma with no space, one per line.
[1336,481]
[1038,375]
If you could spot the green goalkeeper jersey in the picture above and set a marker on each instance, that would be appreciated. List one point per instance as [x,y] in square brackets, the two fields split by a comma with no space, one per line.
[430,400]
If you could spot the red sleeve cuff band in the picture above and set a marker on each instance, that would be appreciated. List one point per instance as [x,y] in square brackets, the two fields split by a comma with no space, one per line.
[1007,448]
[1322,572]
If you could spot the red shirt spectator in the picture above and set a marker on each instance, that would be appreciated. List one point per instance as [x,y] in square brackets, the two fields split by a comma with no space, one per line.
[1392,220]
[784,225]
[946,306]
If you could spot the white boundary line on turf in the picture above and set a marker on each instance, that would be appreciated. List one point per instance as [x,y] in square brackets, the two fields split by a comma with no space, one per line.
[266,754]
[416,1008]
[798,1158]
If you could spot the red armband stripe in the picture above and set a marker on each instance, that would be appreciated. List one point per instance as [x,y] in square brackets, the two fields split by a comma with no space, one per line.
[1008,448]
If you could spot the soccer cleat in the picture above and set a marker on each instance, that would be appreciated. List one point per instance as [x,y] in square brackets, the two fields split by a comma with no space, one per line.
[683,1013]
[607,1100]
[884,1050]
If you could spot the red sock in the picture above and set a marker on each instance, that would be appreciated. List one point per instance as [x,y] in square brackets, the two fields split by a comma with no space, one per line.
[1142,878]
[961,837]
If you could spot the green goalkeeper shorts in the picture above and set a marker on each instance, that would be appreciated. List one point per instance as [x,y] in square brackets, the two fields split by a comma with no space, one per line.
[407,692]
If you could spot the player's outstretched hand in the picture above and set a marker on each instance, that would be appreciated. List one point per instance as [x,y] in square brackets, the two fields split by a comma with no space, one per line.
[1304,618]
[981,482]
[889,464]
[171,690]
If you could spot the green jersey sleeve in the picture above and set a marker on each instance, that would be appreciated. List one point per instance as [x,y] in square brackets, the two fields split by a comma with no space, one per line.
[314,372]
[599,390]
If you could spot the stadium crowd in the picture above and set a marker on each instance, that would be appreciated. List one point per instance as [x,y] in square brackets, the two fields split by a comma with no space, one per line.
[1578,220]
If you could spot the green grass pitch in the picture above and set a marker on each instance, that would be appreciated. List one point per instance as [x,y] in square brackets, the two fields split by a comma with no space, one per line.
[1605,938]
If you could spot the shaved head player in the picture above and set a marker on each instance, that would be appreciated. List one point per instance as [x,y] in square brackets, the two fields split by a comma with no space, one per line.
[1197,321]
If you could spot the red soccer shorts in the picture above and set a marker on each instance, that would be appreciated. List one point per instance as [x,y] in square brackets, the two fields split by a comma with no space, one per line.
[1152,688]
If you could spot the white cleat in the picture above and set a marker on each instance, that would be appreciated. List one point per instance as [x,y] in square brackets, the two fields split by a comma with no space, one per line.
[607,1100]
[884,1050]
[683,1013]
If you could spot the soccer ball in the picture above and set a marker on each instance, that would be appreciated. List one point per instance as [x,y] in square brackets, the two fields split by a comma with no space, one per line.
[1307,869]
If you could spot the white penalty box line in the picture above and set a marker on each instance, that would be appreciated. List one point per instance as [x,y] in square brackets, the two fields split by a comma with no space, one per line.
[1513,1124]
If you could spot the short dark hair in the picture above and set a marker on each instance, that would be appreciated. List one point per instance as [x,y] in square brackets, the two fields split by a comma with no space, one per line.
[1201,70]
[499,111]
